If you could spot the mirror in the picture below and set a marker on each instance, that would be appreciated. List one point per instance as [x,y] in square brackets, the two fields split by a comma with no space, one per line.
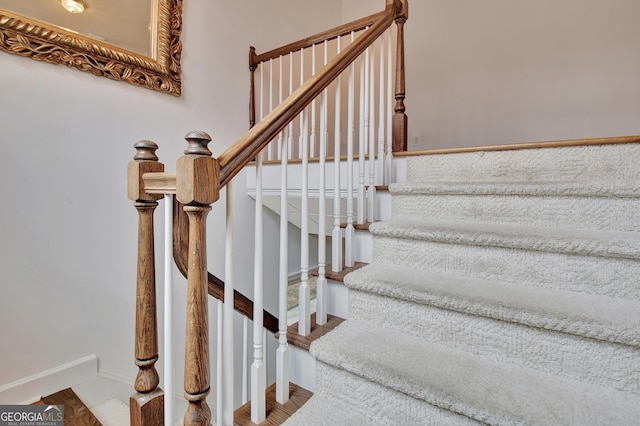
[133,41]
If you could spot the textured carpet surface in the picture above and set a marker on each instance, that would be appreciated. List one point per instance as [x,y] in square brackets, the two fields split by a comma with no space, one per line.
[468,384]
[503,291]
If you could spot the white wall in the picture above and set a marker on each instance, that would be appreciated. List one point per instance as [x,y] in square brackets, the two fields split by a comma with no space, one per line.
[504,71]
[68,232]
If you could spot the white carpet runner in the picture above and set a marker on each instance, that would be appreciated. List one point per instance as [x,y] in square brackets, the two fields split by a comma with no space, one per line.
[504,291]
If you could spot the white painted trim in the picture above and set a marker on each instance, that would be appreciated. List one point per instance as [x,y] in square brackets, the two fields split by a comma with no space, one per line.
[32,388]
[117,378]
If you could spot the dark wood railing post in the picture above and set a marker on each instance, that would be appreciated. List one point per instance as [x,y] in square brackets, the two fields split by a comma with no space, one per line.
[197,186]
[147,404]
[252,86]
[399,116]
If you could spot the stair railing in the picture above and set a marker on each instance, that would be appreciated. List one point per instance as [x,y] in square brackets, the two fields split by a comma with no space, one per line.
[313,134]
[196,184]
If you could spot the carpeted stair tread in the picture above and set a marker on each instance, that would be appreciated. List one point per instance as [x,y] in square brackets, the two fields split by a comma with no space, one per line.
[594,316]
[600,188]
[612,244]
[322,411]
[475,386]
[337,389]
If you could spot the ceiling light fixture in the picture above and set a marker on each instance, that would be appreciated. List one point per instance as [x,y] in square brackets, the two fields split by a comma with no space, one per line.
[74,6]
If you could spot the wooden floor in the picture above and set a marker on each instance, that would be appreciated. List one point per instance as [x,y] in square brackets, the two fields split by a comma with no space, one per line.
[276,413]
[75,412]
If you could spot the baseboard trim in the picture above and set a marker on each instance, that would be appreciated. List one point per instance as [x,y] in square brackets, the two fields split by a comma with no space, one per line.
[108,375]
[32,388]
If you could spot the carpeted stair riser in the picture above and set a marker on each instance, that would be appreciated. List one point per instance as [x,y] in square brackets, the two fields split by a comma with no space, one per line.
[581,164]
[590,360]
[590,274]
[364,398]
[478,387]
[619,214]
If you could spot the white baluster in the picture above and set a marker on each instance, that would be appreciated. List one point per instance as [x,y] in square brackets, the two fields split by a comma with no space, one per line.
[362,142]
[245,359]
[389,156]
[290,136]
[381,119]
[304,306]
[219,357]
[312,142]
[282,355]
[371,191]
[325,128]
[349,230]
[271,145]
[336,234]
[365,134]
[258,368]
[227,333]
[281,134]
[168,310]
[321,285]
[302,135]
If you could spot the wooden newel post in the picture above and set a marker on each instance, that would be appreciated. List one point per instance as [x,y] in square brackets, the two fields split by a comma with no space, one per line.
[197,186]
[147,404]
[399,117]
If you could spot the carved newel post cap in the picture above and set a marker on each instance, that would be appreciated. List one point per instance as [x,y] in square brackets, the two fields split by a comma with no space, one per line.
[197,172]
[145,151]
[198,142]
[145,161]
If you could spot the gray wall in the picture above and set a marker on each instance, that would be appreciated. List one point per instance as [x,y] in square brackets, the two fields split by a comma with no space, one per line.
[504,71]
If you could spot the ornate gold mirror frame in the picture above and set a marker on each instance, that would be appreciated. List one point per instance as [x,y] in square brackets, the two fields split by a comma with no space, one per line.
[44,42]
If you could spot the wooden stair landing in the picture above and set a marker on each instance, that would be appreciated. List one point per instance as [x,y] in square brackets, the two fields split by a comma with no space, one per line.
[276,413]
[317,331]
[75,412]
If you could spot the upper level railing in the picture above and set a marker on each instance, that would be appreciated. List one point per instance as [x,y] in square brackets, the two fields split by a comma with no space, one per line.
[197,184]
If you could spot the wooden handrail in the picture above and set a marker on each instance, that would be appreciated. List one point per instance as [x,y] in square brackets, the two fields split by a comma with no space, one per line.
[256,139]
[342,30]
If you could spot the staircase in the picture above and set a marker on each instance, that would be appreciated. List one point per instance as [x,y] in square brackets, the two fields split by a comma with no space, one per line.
[504,290]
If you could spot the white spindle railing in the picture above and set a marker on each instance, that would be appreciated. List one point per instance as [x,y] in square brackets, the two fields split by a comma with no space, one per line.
[381,121]
[336,234]
[371,189]
[228,333]
[258,368]
[304,302]
[367,164]
[362,142]
[389,103]
[312,141]
[219,362]
[245,359]
[349,231]
[372,132]
[321,283]
[282,356]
